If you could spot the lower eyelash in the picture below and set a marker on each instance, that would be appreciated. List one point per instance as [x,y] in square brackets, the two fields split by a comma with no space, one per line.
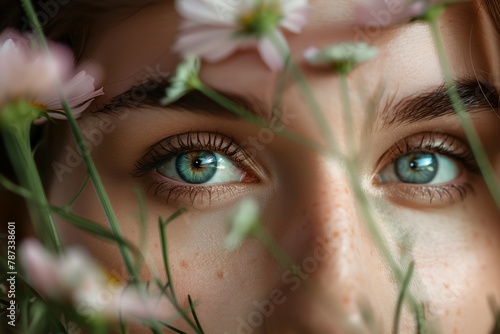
[197,195]
[431,194]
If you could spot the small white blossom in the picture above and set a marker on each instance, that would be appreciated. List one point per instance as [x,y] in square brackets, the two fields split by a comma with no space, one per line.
[341,57]
[185,80]
[383,13]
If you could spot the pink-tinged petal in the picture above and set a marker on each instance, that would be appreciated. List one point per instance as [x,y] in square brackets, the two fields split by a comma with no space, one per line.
[384,13]
[296,15]
[270,54]
[36,75]
[40,267]
[79,91]
[212,44]
[212,12]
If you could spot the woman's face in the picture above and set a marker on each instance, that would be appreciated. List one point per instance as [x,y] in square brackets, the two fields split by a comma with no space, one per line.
[442,217]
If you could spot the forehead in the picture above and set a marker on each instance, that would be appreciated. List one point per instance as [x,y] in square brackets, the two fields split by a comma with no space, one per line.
[129,48]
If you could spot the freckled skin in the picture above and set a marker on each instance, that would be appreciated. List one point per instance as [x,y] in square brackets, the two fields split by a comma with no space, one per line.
[307,200]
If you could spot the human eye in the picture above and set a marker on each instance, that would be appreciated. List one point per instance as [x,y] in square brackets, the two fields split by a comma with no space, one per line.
[428,168]
[197,166]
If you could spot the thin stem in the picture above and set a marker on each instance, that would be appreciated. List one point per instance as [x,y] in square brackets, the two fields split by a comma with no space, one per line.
[306,90]
[89,163]
[346,102]
[251,118]
[277,252]
[401,296]
[79,192]
[479,152]
[101,192]
[362,200]
[193,311]
[37,27]
[380,241]
[163,238]
[17,145]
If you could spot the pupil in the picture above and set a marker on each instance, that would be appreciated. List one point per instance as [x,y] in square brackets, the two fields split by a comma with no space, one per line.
[198,163]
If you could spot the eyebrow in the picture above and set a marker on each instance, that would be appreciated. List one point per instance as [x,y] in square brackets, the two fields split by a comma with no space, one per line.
[153,90]
[422,106]
[436,103]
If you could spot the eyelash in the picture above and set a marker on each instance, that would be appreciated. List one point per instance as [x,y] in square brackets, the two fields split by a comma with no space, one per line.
[173,146]
[435,143]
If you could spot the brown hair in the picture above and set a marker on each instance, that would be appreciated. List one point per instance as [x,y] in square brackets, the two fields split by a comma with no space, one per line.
[494,10]
[67,21]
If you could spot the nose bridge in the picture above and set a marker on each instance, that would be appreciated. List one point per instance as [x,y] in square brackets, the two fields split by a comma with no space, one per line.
[333,282]
[340,231]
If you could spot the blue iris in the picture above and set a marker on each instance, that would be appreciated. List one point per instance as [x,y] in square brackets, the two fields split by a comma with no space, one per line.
[196,167]
[417,167]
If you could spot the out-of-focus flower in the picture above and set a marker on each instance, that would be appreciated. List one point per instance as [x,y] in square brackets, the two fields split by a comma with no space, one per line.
[341,57]
[76,279]
[213,30]
[79,91]
[383,13]
[244,223]
[185,80]
[34,75]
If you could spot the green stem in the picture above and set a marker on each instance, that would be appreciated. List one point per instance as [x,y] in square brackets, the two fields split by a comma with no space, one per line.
[401,297]
[380,241]
[471,133]
[37,27]
[251,118]
[307,92]
[163,239]
[276,251]
[100,190]
[346,102]
[17,141]
[362,200]
[92,170]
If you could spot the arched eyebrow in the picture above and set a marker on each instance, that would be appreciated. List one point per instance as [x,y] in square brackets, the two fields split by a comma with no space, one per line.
[149,94]
[435,103]
[431,104]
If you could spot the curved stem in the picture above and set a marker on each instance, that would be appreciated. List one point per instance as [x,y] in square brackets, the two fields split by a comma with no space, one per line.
[19,150]
[478,150]
[89,163]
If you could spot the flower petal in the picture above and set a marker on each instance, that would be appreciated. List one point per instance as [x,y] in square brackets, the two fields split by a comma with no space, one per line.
[209,12]
[270,54]
[383,13]
[213,44]
[296,15]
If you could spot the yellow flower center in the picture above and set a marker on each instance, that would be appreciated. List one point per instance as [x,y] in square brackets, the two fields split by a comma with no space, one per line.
[39,105]
[265,16]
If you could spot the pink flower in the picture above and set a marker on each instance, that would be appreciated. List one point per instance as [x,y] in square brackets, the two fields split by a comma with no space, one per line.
[76,279]
[383,13]
[215,29]
[27,72]
[79,91]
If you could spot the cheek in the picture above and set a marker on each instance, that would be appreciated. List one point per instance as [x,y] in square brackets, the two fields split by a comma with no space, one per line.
[456,265]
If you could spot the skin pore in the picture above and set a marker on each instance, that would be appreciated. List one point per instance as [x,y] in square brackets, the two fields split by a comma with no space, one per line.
[450,229]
